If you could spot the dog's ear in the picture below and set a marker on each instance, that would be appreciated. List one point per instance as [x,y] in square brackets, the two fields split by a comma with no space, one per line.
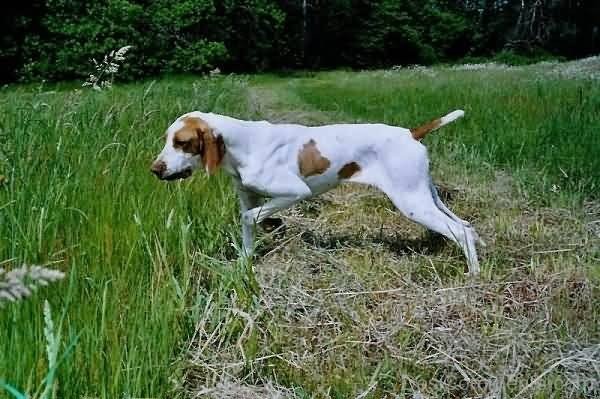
[213,150]
[208,144]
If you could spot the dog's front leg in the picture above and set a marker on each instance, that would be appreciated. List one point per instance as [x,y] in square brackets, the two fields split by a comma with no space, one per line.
[285,189]
[260,213]
[248,200]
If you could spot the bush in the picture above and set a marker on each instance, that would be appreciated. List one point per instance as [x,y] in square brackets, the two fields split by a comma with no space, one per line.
[75,32]
[185,36]
[198,57]
[510,57]
[253,33]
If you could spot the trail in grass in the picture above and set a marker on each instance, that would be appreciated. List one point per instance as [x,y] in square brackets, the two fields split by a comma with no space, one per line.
[274,99]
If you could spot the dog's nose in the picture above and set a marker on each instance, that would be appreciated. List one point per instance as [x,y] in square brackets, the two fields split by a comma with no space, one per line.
[158,168]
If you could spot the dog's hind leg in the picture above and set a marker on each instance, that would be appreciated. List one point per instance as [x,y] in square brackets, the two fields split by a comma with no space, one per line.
[442,207]
[420,206]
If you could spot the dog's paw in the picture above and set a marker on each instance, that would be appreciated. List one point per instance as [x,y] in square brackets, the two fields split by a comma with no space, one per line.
[270,225]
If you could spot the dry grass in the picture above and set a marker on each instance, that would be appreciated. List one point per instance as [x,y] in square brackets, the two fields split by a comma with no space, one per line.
[236,390]
[355,300]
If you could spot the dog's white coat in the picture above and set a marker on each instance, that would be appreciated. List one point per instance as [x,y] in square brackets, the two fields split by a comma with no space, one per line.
[263,159]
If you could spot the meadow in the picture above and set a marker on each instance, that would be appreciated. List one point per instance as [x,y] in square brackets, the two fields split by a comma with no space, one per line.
[351,300]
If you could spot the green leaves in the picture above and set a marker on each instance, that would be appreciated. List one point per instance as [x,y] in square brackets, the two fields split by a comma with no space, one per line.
[198,57]
[56,39]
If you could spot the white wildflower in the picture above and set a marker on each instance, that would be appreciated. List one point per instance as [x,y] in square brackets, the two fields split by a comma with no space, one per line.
[107,69]
[416,68]
[120,54]
[493,66]
[585,68]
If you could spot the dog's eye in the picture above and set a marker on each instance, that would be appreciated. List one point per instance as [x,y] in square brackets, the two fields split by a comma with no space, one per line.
[180,142]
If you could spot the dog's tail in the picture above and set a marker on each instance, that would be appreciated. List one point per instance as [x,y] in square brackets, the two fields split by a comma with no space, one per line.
[419,132]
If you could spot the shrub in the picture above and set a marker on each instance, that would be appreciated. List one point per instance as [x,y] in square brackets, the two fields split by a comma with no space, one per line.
[510,57]
[198,57]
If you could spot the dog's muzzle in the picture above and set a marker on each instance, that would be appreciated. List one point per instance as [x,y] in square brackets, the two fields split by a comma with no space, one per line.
[179,175]
[159,168]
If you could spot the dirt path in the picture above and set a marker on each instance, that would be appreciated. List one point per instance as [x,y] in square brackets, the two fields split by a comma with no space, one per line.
[275,100]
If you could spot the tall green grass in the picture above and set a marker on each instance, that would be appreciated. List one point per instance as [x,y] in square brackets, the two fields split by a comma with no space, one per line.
[78,194]
[546,130]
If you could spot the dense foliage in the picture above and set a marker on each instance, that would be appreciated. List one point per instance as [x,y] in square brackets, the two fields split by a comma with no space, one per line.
[56,39]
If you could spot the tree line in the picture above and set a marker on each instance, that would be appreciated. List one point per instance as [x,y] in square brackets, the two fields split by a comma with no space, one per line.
[56,39]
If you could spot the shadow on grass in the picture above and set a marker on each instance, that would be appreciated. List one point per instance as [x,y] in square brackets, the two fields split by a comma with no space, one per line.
[431,243]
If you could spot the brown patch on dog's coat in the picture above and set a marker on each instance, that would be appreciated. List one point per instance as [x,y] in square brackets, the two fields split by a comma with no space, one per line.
[310,160]
[419,132]
[348,170]
[197,138]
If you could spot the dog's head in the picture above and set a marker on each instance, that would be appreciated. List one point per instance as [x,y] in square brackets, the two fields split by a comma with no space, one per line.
[190,143]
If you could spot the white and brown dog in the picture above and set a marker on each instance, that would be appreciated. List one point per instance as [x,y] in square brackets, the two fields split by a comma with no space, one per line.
[289,163]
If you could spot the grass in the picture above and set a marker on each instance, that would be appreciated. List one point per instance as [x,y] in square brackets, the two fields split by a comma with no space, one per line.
[352,300]
[78,195]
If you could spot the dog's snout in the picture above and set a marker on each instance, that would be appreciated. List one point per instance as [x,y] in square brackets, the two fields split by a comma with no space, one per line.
[158,168]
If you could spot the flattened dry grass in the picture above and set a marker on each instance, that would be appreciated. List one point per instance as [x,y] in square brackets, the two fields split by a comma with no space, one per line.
[357,300]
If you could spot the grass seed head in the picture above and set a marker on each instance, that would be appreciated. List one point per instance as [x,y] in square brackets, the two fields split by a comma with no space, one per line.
[22,282]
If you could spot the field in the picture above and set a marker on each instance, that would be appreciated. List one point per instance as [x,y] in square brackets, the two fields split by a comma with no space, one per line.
[351,300]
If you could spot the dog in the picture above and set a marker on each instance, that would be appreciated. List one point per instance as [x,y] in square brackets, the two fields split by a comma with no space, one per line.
[289,163]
